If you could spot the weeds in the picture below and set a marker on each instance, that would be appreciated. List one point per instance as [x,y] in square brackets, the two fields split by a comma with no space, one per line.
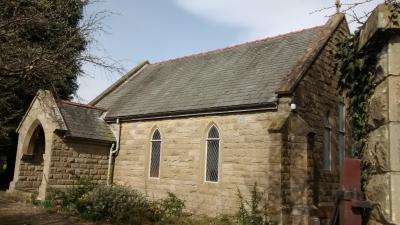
[122,205]
[253,212]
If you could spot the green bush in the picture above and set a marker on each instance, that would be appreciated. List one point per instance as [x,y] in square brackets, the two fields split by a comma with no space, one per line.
[70,199]
[171,207]
[122,205]
[117,204]
[253,212]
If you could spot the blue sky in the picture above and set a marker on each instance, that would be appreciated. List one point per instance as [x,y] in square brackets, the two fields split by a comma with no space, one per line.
[157,30]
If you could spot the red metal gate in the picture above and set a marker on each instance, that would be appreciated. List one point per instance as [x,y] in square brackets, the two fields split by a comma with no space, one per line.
[350,200]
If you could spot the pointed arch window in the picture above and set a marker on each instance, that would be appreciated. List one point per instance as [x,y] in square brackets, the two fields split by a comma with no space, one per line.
[327,154]
[342,131]
[212,155]
[155,154]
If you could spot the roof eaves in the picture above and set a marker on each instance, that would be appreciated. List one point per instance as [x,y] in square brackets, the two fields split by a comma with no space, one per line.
[67,130]
[119,82]
[297,73]
[198,112]
[92,140]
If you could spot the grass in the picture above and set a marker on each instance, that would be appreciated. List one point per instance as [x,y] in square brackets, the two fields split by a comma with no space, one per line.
[16,196]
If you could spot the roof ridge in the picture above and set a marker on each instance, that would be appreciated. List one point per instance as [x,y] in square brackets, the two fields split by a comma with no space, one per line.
[240,44]
[81,105]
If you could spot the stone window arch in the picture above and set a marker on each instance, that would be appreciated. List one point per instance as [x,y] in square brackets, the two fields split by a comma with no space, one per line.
[212,154]
[155,154]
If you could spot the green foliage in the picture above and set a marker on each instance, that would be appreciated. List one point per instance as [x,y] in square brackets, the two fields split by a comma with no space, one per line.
[43,204]
[359,76]
[170,208]
[253,212]
[41,47]
[358,73]
[70,199]
[122,205]
[41,43]
[117,204]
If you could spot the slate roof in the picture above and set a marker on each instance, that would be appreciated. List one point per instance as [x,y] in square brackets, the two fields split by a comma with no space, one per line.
[85,122]
[238,77]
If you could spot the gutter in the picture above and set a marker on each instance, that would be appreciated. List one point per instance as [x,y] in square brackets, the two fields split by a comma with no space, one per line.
[114,149]
[268,106]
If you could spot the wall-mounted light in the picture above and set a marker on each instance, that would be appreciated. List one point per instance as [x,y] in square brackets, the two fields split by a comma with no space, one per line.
[293,106]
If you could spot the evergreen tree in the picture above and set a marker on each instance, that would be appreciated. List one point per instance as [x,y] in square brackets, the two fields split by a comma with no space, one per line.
[42,45]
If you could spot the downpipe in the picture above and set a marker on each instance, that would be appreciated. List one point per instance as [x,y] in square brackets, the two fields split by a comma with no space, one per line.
[113,151]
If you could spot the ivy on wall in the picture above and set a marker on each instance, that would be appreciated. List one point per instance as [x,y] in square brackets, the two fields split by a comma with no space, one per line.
[359,78]
[358,73]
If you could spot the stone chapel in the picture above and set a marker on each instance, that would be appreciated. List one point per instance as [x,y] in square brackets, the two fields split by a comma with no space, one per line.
[204,126]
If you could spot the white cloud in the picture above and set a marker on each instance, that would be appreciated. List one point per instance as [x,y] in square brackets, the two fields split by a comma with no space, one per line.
[261,18]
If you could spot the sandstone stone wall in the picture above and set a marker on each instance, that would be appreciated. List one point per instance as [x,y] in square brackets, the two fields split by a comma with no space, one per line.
[382,152]
[72,162]
[30,176]
[316,95]
[63,162]
[249,153]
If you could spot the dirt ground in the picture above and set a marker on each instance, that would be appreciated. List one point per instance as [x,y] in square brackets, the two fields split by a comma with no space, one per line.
[16,213]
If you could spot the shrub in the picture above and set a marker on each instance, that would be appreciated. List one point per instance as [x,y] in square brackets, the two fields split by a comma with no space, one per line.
[172,206]
[122,205]
[255,211]
[117,204]
[70,199]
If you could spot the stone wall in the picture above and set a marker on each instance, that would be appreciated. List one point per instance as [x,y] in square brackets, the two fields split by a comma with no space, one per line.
[45,159]
[74,161]
[383,143]
[30,176]
[248,154]
[315,95]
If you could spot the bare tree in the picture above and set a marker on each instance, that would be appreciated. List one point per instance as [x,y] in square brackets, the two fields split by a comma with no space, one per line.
[354,10]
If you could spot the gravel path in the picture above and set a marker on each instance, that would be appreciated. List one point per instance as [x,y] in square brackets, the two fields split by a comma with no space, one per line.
[15,213]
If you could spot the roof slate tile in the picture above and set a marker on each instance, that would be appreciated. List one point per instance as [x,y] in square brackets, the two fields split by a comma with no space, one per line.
[245,74]
[85,122]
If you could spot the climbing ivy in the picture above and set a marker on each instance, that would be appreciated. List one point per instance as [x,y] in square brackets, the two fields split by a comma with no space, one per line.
[359,77]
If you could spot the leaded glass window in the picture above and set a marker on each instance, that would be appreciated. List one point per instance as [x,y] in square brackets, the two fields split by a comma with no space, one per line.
[155,154]
[342,131]
[212,155]
[327,154]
